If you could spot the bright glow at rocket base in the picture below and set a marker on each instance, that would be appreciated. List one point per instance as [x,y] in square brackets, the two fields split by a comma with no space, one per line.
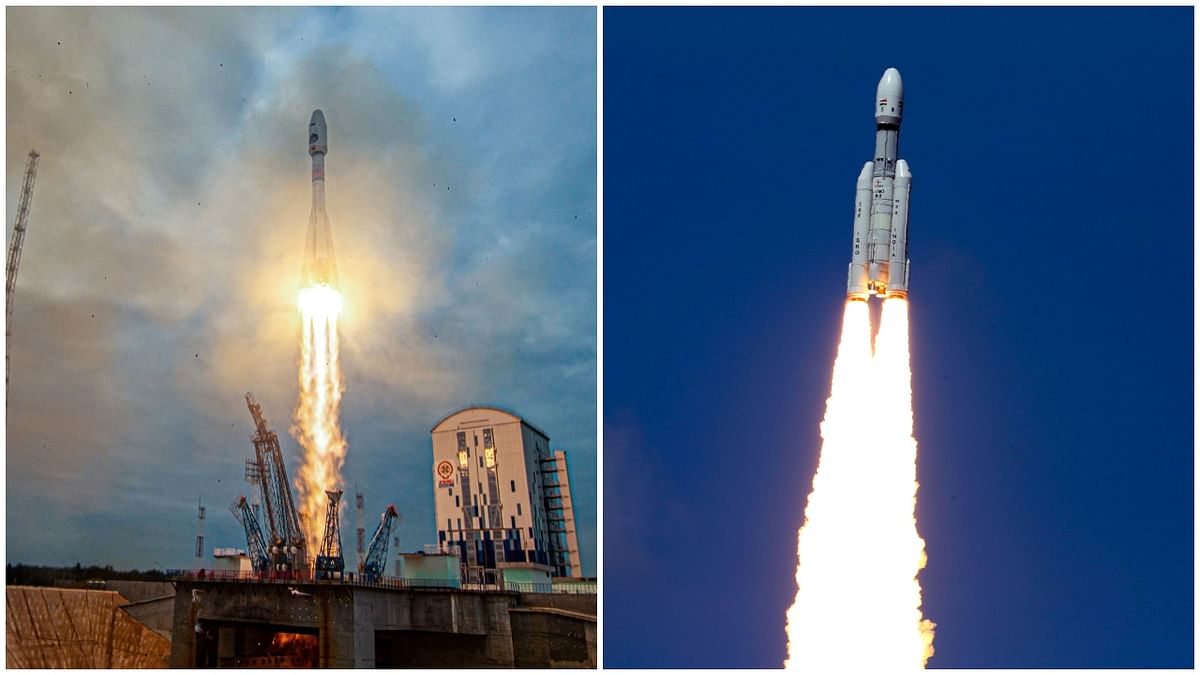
[858,600]
[317,427]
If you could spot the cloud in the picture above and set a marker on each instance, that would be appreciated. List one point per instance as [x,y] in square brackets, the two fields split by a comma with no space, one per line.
[645,499]
[66,434]
[172,198]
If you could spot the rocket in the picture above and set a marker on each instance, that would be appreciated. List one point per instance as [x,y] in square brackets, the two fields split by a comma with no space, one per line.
[319,269]
[879,261]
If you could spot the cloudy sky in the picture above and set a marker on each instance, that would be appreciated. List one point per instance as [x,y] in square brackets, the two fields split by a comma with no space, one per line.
[159,273]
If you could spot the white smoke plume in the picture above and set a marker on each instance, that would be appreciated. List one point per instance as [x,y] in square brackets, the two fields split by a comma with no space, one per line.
[858,601]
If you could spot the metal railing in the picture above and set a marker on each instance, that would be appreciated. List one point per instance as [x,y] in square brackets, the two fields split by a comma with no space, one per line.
[306,578]
[578,589]
[528,588]
[355,579]
[566,589]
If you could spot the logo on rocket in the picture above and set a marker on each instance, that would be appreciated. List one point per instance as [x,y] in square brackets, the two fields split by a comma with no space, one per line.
[879,259]
[319,269]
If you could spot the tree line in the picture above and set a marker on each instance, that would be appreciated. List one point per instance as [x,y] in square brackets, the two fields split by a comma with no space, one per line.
[40,575]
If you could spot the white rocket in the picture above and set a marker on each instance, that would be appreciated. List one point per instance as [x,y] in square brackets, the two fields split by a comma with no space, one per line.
[879,265]
[320,268]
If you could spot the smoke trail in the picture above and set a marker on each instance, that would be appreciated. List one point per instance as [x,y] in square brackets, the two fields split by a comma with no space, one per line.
[858,601]
[317,427]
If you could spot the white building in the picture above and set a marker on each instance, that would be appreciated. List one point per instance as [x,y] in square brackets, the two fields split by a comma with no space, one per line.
[231,560]
[502,498]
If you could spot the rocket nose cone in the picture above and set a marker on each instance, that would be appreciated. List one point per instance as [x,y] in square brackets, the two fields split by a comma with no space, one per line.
[890,84]
[318,141]
[889,98]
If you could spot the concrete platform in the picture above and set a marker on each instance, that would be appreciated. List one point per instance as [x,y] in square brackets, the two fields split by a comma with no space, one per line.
[250,623]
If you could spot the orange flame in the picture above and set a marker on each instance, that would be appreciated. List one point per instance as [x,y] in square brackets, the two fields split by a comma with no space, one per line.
[293,649]
[317,426]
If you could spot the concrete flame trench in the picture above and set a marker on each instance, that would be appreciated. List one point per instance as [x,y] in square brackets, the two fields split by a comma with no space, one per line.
[225,624]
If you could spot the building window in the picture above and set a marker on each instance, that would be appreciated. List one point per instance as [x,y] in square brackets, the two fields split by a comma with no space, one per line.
[452,492]
[448,525]
[481,462]
[463,451]
[519,509]
[514,521]
[531,533]
[460,527]
[513,484]
[456,504]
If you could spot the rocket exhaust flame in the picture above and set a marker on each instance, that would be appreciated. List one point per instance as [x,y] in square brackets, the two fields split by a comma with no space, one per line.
[858,600]
[317,414]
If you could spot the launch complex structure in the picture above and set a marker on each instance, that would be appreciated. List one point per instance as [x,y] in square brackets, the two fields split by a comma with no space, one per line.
[298,605]
[280,536]
[281,550]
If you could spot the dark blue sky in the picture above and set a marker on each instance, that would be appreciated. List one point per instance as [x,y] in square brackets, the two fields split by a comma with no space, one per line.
[1052,314]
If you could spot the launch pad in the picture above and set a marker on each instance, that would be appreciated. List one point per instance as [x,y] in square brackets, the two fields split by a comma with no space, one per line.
[259,623]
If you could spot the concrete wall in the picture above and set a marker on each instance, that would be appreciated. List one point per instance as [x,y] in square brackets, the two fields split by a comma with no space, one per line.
[414,649]
[137,591]
[158,615]
[579,603]
[549,638]
[355,626]
[210,606]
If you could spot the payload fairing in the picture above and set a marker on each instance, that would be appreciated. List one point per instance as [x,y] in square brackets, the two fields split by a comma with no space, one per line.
[320,268]
[879,264]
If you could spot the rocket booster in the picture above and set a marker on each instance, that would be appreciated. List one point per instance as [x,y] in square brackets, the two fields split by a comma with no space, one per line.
[320,268]
[879,260]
